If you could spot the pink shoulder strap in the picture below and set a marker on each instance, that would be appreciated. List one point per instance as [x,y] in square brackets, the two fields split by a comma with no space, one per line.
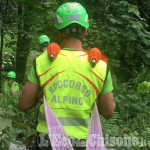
[56,131]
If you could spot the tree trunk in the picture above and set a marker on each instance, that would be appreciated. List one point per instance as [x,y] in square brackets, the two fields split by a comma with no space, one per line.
[23,43]
[1,50]
[2,42]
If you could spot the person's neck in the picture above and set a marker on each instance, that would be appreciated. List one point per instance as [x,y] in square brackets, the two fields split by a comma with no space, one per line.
[44,49]
[10,83]
[71,43]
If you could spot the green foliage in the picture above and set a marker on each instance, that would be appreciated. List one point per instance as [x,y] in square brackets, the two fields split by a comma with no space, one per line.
[120,32]
[14,124]
[116,28]
[133,107]
[144,87]
[110,127]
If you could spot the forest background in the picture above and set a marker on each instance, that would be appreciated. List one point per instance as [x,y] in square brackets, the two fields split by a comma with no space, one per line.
[121,29]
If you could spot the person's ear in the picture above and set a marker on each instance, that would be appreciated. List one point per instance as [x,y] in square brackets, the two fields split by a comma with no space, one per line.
[85,33]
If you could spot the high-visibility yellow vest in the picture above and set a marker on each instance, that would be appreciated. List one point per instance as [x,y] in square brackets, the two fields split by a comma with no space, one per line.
[71,87]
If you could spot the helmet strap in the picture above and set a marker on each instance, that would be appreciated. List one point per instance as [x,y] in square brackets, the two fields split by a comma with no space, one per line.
[84,34]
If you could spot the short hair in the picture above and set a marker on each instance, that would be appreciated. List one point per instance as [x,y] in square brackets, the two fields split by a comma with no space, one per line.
[73,30]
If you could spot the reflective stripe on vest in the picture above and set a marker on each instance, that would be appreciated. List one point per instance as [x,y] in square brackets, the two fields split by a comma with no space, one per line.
[71,87]
[68,121]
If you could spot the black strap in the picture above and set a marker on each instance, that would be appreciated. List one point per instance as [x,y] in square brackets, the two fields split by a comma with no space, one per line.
[106,73]
[107,70]
[34,66]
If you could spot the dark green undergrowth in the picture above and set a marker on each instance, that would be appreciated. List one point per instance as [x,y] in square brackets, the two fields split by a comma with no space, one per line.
[15,125]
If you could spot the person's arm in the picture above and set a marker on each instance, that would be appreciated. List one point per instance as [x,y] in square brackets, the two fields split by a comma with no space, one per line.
[105,102]
[30,95]
[106,105]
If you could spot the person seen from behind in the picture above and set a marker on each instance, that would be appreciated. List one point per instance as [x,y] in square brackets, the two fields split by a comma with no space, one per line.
[10,86]
[70,84]
[43,42]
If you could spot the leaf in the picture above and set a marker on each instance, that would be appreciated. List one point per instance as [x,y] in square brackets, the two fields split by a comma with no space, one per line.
[134,10]
[4,123]
[148,55]
[144,87]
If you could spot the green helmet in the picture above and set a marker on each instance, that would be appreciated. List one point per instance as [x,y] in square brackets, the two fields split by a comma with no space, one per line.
[43,39]
[69,13]
[11,74]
